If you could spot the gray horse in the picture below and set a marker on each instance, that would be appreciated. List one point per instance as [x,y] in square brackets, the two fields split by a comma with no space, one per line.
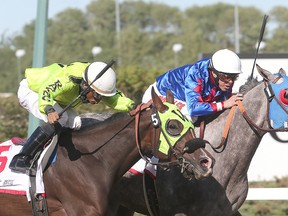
[224,192]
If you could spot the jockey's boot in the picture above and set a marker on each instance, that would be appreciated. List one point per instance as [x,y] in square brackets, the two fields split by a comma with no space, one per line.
[22,161]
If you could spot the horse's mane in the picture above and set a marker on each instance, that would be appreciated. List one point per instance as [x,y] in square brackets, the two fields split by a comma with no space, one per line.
[98,119]
[248,85]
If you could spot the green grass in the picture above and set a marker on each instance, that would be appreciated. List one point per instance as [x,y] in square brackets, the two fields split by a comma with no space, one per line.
[266,207]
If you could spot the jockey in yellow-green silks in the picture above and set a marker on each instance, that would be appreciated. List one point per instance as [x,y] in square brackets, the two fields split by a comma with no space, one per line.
[46,91]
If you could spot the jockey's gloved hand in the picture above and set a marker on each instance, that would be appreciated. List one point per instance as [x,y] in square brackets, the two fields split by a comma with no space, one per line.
[232,101]
[52,115]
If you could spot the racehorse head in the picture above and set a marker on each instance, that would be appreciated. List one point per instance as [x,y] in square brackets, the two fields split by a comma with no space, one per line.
[175,140]
[276,90]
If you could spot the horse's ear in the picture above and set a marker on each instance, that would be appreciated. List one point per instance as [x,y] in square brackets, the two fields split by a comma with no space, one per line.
[157,101]
[268,76]
[282,72]
[169,96]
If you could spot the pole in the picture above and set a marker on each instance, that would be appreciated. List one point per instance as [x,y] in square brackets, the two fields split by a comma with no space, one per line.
[236,18]
[118,29]
[19,69]
[177,47]
[175,59]
[39,52]
[19,54]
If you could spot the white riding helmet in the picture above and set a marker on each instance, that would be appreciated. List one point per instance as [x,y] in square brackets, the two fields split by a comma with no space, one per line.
[104,85]
[226,61]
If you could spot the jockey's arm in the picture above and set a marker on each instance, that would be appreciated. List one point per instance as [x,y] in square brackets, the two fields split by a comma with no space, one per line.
[119,102]
[196,104]
[51,90]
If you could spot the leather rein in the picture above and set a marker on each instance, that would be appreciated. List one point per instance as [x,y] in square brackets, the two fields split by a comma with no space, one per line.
[249,121]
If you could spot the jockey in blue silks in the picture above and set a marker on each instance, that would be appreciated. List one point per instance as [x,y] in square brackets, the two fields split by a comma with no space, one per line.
[199,89]
[204,87]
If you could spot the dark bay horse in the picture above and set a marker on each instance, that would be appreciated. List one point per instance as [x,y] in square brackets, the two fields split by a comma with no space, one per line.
[224,192]
[83,180]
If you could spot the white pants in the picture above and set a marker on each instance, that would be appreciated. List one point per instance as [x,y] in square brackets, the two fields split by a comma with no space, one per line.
[29,100]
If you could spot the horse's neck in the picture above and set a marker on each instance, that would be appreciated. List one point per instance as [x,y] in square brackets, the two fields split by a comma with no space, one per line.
[115,140]
[129,148]
[242,141]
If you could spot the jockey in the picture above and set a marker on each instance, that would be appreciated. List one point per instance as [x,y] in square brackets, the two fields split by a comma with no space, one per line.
[46,91]
[202,88]
[199,89]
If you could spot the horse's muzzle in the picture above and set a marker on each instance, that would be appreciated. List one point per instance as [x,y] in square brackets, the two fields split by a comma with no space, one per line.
[193,145]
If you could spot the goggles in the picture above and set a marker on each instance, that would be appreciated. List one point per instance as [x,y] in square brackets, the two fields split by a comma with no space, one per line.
[226,77]
[90,91]
[96,96]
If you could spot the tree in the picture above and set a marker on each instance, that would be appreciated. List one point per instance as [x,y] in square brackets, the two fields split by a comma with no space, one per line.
[277,42]
[216,24]
[14,119]
[8,69]
[67,38]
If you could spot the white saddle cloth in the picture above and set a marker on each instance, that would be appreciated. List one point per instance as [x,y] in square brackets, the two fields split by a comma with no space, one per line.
[11,182]
[18,183]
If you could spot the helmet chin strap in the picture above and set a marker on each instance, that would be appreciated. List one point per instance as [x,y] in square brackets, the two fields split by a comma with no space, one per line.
[83,87]
[216,79]
[212,72]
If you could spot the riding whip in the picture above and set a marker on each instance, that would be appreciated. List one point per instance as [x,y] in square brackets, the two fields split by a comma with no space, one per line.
[87,89]
[259,42]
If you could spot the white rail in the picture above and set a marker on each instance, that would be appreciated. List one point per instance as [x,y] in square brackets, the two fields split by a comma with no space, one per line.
[267,194]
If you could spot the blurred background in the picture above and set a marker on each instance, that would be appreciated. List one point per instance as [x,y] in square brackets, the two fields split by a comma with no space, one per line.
[146,38]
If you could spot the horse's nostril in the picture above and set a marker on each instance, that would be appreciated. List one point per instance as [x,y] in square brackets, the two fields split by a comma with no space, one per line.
[204,162]
[207,163]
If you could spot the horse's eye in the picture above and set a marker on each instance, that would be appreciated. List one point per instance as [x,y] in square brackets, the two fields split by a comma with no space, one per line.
[174,127]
